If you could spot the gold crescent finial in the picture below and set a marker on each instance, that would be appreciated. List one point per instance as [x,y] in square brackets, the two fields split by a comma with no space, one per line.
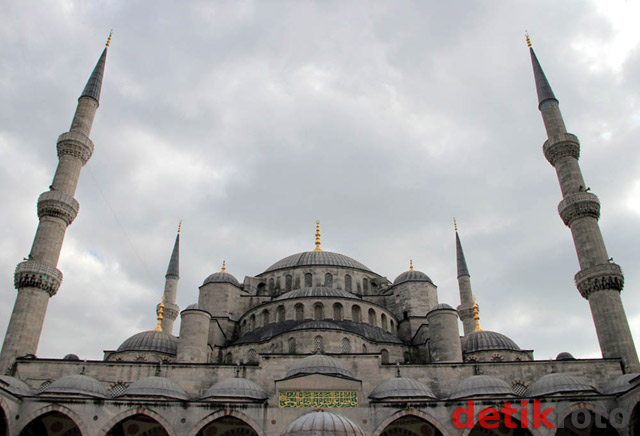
[179,226]
[109,39]
[410,264]
[318,237]
[455,224]
[160,315]
[476,315]
[224,266]
[526,35]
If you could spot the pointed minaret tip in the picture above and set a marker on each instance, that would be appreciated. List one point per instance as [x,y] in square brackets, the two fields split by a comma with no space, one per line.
[461,261]
[318,243]
[94,84]
[543,88]
[173,270]
[526,35]
[109,39]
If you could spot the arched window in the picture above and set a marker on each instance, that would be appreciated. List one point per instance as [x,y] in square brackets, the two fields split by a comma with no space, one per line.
[288,282]
[347,283]
[228,359]
[252,321]
[252,356]
[337,312]
[365,286]
[292,346]
[393,326]
[281,314]
[265,317]
[384,356]
[261,289]
[299,308]
[364,348]
[272,284]
[356,314]
[372,317]
[407,357]
[318,344]
[346,345]
[328,280]
[318,311]
[383,321]
[308,280]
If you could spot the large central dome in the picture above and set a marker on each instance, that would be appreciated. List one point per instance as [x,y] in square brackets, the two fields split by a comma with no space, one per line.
[316,258]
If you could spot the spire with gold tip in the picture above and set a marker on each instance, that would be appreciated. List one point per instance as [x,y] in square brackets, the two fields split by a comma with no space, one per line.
[543,88]
[160,315]
[94,84]
[318,237]
[410,264]
[224,267]
[476,315]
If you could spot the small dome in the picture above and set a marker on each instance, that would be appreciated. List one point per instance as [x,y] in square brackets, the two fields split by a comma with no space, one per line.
[319,364]
[412,276]
[15,385]
[621,384]
[441,306]
[160,342]
[480,385]
[236,388]
[401,388]
[487,341]
[565,356]
[77,384]
[323,423]
[316,258]
[317,292]
[558,383]
[222,277]
[71,357]
[156,387]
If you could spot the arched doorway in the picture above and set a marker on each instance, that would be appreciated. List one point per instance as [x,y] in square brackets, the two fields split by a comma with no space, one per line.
[4,424]
[50,424]
[586,423]
[505,428]
[634,424]
[410,426]
[227,426]
[138,425]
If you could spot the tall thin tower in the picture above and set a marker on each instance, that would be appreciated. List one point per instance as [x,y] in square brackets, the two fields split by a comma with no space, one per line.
[170,308]
[37,279]
[599,279]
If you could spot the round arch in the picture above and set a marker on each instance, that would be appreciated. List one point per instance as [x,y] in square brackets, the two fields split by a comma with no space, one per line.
[400,415]
[4,417]
[634,423]
[53,408]
[568,429]
[226,413]
[121,417]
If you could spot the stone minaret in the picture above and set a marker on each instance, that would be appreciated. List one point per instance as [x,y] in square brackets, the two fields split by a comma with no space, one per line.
[465,310]
[171,309]
[37,279]
[599,279]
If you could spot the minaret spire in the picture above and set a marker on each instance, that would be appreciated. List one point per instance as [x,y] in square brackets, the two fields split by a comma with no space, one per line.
[465,310]
[318,243]
[169,307]
[37,279]
[599,279]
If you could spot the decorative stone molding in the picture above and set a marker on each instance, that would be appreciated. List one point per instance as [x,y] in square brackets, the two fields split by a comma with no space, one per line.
[58,204]
[465,312]
[75,144]
[34,274]
[579,205]
[170,310]
[561,146]
[598,278]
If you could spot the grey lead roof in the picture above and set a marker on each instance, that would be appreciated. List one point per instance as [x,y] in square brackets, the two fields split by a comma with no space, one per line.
[17,386]
[94,84]
[316,292]
[621,384]
[462,263]
[480,385]
[237,389]
[77,384]
[558,383]
[542,84]
[401,388]
[222,277]
[323,423]
[412,276]
[151,340]
[156,387]
[486,340]
[173,270]
[313,258]
[319,364]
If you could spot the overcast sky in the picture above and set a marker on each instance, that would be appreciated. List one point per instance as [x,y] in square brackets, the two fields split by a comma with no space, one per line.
[249,120]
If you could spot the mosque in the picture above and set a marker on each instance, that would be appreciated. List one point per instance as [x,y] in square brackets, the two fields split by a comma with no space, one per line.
[318,343]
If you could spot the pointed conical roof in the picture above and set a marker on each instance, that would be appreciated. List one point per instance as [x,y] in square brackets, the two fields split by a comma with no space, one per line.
[542,84]
[94,84]
[174,264]
[462,263]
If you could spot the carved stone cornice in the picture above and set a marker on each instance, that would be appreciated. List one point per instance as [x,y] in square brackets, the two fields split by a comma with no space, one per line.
[465,312]
[171,310]
[579,205]
[560,146]
[75,144]
[598,278]
[58,204]
[34,274]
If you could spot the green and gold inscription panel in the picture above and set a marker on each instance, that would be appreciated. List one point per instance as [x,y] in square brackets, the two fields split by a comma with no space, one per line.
[318,399]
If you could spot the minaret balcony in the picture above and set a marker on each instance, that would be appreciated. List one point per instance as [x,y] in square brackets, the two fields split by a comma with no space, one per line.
[34,274]
[58,204]
[75,144]
[579,205]
[598,278]
[560,146]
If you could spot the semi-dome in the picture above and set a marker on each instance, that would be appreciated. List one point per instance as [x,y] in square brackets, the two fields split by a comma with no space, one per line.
[487,341]
[222,277]
[316,292]
[71,356]
[558,383]
[412,276]
[323,423]
[319,364]
[236,389]
[316,258]
[565,356]
[401,388]
[15,385]
[621,384]
[77,384]
[156,387]
[152,340]
[480,385]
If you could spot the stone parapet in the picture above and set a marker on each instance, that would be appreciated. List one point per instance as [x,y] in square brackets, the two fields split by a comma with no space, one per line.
[32,273]
[598,278]
[170,310]
[58,204]
[75,144]
[579,205]
[560,146]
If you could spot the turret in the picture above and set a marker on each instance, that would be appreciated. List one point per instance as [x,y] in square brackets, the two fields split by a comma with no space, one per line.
[465,310]
[194,335]
[599,279]
[171,309]
[37,279]
[444,336]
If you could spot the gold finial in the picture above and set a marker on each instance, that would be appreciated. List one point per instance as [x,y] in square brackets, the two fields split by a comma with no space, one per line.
[109,39]
[318,237]
[476,315]
[160,315]
[455,224]
[526,35]
[410,264]
[179,226]
[224,266]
